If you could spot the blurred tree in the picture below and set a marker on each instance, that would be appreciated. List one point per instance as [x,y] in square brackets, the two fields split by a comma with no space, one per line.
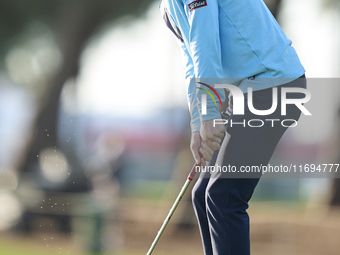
[335,188]
[73,23]
[274,6]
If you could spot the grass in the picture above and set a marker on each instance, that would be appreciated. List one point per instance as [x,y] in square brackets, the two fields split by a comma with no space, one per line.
[25,247]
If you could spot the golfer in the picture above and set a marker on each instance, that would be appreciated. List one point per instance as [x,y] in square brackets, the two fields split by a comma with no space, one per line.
[235,42]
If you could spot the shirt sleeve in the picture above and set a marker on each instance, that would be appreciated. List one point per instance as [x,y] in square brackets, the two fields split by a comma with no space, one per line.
[205,48]
[191,88]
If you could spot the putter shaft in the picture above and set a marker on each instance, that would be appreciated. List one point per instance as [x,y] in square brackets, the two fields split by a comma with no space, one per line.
[173,208]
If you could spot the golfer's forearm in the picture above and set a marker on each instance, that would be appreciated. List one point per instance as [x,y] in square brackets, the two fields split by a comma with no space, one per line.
[205,50]
[191,88]
[195,122]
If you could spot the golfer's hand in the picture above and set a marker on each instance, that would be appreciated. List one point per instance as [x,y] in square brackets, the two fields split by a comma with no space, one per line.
[211,138]
[195,145]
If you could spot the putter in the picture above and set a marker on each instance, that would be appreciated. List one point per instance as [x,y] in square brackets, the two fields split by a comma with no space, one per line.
[173,208]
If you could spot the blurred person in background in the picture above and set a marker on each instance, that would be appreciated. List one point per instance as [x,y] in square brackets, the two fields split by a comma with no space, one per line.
[240,42]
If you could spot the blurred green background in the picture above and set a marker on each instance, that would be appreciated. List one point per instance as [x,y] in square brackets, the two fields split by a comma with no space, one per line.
[94,133]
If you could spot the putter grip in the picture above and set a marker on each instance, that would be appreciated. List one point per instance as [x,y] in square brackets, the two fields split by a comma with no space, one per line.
[193,170]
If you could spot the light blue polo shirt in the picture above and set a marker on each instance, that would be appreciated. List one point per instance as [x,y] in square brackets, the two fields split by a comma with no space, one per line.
[235,40]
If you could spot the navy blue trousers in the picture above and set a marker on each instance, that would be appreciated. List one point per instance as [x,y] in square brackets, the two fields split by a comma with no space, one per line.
[220,202]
